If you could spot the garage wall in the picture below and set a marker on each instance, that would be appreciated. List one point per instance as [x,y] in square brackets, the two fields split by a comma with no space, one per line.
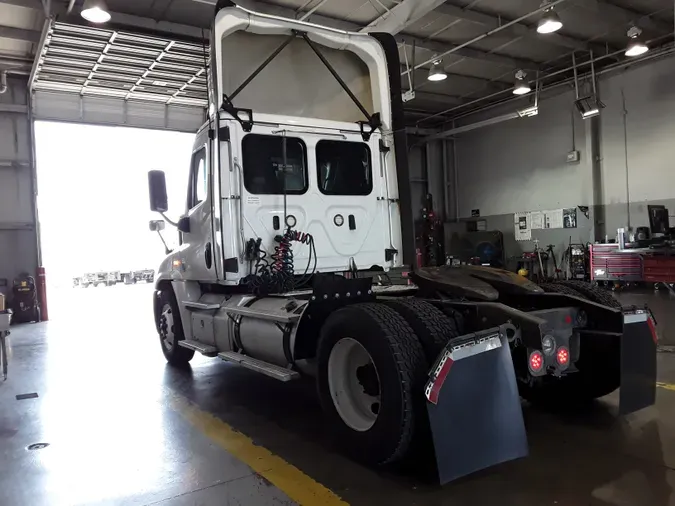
[18,240]
[650,127]
[520,165]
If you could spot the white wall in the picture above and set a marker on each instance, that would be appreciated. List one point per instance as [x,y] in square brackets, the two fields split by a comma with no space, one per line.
[18,243]
[520,165]
[649,93]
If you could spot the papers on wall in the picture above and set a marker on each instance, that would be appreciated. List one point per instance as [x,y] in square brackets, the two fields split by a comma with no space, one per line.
[524,223]
[553,218]
[523,226]
[570,217]
[538,220]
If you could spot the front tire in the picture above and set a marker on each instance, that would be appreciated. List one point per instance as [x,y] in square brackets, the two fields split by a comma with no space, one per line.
[170,329]
[371,377]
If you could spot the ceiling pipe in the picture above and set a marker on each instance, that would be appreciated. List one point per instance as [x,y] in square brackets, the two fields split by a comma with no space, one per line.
[546,76]
[3,82]
[487,34]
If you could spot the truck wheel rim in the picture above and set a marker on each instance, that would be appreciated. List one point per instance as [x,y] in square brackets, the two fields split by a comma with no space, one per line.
[166,327]
[354,384]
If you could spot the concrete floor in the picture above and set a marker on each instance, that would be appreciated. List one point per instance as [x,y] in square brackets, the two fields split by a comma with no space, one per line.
[126,429]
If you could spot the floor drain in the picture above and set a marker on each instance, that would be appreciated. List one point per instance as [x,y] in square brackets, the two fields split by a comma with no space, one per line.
[37,446]
[22,397]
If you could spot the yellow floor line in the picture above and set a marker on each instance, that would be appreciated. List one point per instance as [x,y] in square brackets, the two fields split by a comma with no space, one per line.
[286,477]
[667,386]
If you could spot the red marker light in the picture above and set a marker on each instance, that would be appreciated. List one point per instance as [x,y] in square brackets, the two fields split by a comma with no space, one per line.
[568,319]
[536,361]
[563,356]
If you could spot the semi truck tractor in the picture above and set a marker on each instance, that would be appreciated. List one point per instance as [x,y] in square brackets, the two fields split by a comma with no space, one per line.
[298,185]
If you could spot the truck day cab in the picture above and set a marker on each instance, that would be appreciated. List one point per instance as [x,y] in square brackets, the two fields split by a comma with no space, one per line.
[299,182]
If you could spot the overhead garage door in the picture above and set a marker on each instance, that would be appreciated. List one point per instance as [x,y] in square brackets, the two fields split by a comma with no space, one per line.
[106,77]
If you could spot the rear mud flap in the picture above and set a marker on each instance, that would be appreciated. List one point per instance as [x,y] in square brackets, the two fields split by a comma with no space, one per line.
[638,362]
[474,408]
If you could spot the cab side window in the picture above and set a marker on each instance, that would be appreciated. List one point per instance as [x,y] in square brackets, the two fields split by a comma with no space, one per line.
[198,179]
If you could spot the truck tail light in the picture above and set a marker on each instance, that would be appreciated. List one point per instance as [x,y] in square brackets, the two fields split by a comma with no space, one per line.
[563,356]
[536,361]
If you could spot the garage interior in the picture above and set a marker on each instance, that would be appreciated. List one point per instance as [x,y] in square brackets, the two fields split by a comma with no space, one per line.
[532,146]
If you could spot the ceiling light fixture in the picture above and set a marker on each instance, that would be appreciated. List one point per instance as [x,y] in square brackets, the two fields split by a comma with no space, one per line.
[550,21]
[436,72]
[635,47]
[95,11]
[521,87]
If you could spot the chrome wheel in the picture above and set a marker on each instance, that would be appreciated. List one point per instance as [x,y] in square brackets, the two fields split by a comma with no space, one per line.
[166,329]
[354,384]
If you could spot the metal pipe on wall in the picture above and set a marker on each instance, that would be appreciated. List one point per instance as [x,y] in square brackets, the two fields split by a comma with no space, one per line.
[624,112]
[446,189]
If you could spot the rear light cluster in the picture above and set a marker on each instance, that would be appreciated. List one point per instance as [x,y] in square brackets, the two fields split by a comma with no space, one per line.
[536,360]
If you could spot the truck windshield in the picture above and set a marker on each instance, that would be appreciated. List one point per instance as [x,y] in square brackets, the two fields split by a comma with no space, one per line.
[344,168]
[264,171]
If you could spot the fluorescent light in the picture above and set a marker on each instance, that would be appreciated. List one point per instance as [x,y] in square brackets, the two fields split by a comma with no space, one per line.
[589,107]
[636,48]
[549,23]
[591,113]
[529,112]
[436,72]
[95,11]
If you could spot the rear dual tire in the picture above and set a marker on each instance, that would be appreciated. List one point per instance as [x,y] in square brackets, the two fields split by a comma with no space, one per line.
[390,368]
[373,364]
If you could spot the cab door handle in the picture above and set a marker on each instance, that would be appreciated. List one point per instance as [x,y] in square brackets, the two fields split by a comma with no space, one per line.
[352,222]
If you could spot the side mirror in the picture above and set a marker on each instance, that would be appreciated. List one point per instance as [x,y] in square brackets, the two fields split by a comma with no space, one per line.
[157,186]
[157,225]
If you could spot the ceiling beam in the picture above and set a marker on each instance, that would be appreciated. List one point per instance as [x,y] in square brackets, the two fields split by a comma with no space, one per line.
[466,52]
[440,98]
[29,4]
[9,32]
[402,15]
[519,29]
[431,45]
[615,15]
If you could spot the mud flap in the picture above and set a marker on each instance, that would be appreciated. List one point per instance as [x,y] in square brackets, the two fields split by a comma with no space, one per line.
[474,408]
[638,362]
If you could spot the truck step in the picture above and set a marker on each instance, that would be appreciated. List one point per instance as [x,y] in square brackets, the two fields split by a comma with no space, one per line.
[276,316]
[271,370]
[204,349]
[199,306]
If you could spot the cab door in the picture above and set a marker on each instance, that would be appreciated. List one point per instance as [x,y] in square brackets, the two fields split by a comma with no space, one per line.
[197,251]
[349,213]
